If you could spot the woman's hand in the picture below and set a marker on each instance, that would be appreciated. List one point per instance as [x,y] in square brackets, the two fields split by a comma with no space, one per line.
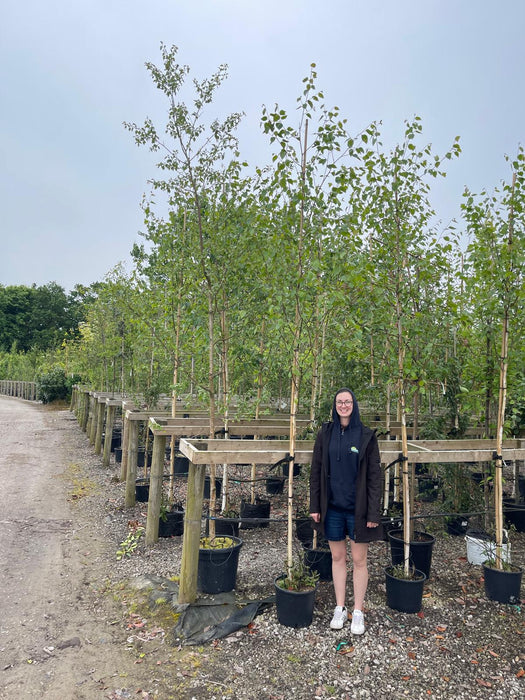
[372,524]
[316,517]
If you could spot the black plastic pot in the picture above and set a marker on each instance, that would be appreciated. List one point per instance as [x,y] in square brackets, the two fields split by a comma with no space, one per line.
[420,550]
[294,608]
[141,491]
[116,439]
[173,525]
[286,469]
[304,530]
[428,488]
[141,457]
[390,523]
[217,570]
[514,513]
[404,595]
[224,526]
[207,484]
[253,511]
[181,466]
[274,484]
[118,455]
[503,586]
[457,526]
[319,560]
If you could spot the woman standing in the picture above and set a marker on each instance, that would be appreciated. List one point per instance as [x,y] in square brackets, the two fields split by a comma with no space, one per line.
[345,499]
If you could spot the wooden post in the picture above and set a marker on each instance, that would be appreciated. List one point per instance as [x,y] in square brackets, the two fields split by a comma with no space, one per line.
[155,489]
[131,475]
[110,421]
[101,411]
[124,447]
[93,413]
[84,411]
[192,531]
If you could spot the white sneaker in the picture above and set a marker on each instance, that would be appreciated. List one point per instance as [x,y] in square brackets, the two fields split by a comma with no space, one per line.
[339,618]
[358,622]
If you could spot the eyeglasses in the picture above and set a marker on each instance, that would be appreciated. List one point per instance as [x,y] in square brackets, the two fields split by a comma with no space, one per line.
[348,402]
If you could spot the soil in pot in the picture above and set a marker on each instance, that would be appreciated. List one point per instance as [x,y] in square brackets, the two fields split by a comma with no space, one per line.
[420,550]
[172,524]
[404,595]
[217,569]
[503,586]
[294,608]
[253,511]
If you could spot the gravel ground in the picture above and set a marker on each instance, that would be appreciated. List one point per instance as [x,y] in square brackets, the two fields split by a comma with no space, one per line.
[461,645]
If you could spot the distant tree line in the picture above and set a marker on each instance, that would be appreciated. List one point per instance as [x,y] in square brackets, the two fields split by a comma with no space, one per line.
[40,317]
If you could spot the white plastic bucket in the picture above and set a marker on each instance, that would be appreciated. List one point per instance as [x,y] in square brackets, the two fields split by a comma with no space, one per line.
[480,549]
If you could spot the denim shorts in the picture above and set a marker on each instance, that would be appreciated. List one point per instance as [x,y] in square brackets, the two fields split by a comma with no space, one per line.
[338,524]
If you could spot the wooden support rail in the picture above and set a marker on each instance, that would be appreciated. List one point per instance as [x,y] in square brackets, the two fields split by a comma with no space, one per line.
[202,452]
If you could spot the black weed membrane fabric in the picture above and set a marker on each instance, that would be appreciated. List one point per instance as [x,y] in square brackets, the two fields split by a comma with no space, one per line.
[209,617]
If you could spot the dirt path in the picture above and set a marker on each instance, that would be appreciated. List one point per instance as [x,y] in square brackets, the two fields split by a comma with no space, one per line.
[57,636]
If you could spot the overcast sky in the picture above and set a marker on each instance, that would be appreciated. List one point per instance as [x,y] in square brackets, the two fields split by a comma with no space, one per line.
[71,73]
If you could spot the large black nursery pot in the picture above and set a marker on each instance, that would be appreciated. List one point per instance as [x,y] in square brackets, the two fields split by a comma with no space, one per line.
[286,469]
[118,455]
[294,608]
[116,439]
[457,526]
[224,526]
[142,490]
[255,514]
[141,457]
[304,530]
[217,569]
[274,484]
[391,521]
[514,512]
[521,487]
[320,560]
[172,524]
[404,595]
[420,550]
[503,586]
[181,466]
[428,488]
[207,485]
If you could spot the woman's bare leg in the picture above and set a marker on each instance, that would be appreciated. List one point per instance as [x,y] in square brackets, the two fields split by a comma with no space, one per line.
[338,550]
[360,572]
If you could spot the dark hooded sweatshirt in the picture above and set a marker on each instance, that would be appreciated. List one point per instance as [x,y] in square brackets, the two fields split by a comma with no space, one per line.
[343,451]
[324,477]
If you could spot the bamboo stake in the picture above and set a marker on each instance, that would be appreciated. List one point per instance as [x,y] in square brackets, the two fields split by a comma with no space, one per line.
[294,389]
[498,477]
